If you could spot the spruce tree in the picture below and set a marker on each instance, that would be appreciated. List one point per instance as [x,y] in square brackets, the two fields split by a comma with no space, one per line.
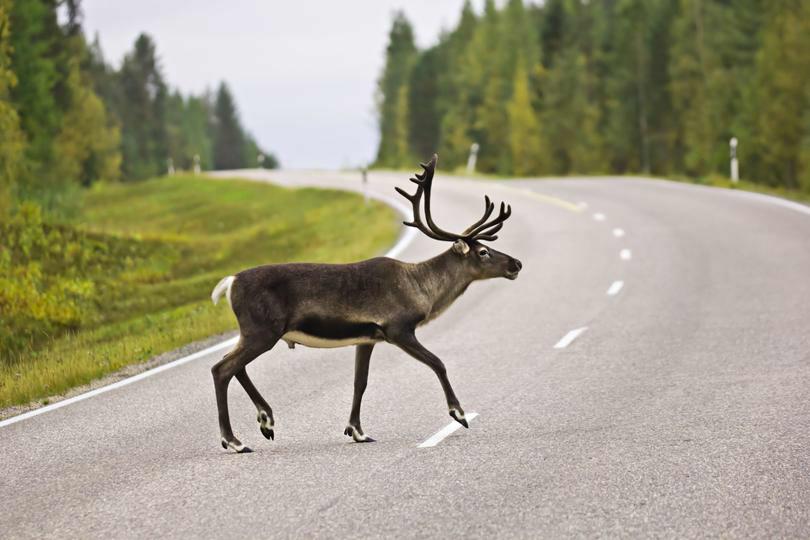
[228,137]
[525,143]
[144,137]
[392,94]
[12,142]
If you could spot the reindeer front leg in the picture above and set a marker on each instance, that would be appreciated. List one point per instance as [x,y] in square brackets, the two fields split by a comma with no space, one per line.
[361,361]
[406,340]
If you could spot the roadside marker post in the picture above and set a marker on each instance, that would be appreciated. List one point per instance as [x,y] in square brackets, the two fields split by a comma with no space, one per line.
[473,157]
[735,165]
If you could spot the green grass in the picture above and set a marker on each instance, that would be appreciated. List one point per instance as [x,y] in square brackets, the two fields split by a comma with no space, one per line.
[147,256]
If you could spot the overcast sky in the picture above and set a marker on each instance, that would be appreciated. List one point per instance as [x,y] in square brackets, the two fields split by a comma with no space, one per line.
[303,72]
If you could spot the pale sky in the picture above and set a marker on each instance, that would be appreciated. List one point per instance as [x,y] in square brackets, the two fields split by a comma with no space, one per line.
[303,72]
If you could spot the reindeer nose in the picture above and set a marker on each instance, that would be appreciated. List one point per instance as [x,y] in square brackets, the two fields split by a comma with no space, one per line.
[517,264]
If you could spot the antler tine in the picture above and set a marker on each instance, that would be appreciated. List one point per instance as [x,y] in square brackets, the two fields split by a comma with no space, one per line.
[486,230]
[421,181]
[489,206]
[430,169]
[480,230]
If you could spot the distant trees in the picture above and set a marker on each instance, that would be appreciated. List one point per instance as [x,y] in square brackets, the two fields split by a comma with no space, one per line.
[68,119]
[11,136]
[607,86]
[392,94]
[159,125]
[229,138]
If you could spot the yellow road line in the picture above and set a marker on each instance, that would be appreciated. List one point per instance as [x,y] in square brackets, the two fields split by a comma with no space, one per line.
[542,198]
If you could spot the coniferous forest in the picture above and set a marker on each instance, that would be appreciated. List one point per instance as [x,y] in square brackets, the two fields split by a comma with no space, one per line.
[606,87]
[68,118]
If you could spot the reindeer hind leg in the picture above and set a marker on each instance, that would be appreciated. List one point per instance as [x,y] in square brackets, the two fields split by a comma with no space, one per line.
[223,371]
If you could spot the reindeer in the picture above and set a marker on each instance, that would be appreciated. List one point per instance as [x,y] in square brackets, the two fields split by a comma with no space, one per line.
[361,304]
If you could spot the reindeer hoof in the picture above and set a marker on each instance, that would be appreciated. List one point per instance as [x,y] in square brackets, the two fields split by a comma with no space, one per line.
[357,435]
[458,416]
[266,425]
[236,446]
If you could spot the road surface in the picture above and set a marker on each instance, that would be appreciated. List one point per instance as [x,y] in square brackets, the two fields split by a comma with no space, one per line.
[648,374]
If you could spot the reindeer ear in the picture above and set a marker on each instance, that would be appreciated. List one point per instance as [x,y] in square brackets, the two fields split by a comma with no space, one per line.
[461,247]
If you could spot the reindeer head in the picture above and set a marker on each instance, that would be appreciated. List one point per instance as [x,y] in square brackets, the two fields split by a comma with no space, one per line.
[482,261]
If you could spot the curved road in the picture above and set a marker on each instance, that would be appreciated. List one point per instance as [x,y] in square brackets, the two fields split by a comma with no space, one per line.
[648,374]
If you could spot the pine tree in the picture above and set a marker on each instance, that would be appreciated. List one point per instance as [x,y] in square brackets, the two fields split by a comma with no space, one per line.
[86,147]
[144,137]
[570,117]
[783,77]
[12,142]
[490,129]
[229,139]
[392,94]
[525,144]
[423,118]
[459,92]
[34,39]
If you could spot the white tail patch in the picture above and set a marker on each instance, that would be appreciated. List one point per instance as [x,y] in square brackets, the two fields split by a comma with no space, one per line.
[224,286]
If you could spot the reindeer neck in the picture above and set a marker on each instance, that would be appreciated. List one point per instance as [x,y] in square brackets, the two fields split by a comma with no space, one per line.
[442,279]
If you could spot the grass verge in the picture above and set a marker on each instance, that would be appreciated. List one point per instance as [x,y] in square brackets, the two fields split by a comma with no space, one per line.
[139,263]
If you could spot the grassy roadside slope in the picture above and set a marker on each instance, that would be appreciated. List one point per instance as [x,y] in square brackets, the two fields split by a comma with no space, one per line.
[151,252]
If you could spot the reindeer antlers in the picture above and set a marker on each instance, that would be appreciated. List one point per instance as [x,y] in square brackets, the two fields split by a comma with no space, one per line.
[480,230]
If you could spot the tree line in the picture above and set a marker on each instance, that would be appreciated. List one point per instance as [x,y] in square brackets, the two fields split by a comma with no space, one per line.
[68,118]
[606,86]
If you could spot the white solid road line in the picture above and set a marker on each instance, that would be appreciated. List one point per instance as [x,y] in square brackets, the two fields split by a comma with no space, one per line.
[124,382]
[404,240]
[599,216]
[618,233]
[570,337]
[409,233]
[445,431]
[615,287]
[626,254]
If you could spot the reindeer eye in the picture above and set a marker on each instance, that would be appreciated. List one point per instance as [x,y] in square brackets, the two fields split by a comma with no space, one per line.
[483,252]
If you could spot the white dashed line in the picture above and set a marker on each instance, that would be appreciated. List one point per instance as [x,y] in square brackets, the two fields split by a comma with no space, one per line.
[626,254]
[615,287]
[446,431]
[599,216]
[570,337]
[618,233]
[582,204]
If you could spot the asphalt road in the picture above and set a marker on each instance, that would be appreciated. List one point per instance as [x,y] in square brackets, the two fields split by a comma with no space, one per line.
[682,410]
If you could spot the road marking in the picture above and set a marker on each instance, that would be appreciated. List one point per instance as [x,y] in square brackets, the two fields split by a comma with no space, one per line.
[404,240]
[599,216]
[539,197]
[626,254]
[618,233]
[582,204]
[570,337]
[409,234]
[440,435]
[124,382]
[615,287]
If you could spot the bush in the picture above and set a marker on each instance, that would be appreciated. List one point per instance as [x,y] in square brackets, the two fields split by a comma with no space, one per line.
[50,276]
